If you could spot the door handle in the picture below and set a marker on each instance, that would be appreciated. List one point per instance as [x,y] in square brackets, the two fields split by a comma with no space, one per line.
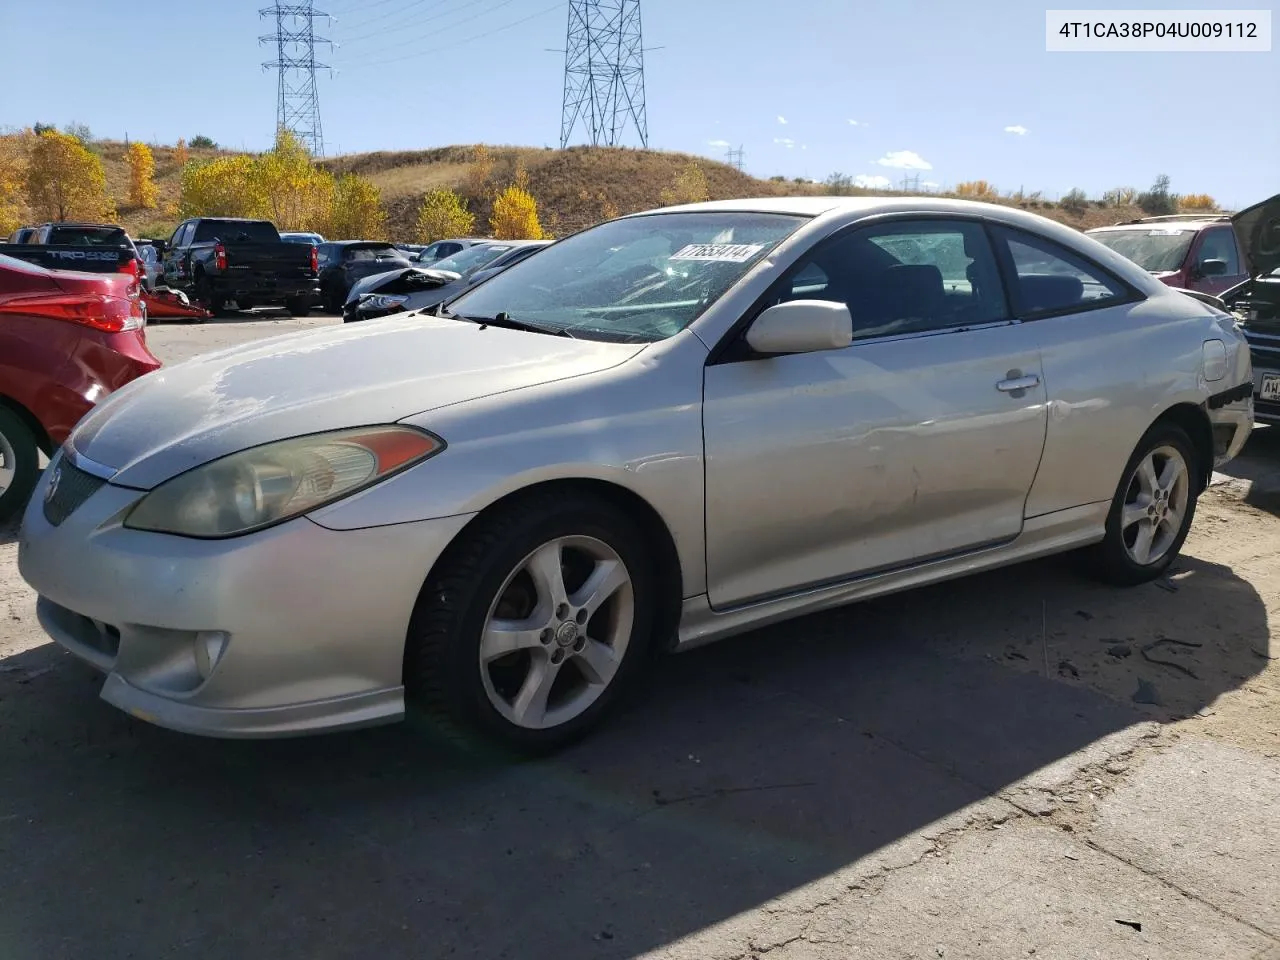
[1014,384]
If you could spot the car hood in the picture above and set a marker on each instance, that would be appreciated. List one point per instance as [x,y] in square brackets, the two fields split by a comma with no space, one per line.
[1258,230]
[395,281]
[343,376]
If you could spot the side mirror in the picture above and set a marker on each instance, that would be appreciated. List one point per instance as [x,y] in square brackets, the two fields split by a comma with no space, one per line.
[801,326]
[1213,268]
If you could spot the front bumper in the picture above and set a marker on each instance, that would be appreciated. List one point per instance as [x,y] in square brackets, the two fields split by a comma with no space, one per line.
[1265,411]
[292,630]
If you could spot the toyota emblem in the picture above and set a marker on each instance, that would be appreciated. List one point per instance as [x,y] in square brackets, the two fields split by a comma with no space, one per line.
[53,483]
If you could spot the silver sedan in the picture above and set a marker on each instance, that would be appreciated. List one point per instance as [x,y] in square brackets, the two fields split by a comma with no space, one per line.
[664,430]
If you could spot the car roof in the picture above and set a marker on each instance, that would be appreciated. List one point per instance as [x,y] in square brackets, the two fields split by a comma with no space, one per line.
[351,243]
[1175,222]
[79,223]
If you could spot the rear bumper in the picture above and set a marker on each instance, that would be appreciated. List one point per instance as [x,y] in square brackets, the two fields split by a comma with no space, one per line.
[263,289]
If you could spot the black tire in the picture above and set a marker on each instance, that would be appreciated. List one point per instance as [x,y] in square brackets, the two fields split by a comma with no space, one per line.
[334,300]
[205,297]
[298,306]
[244,305]
[17,436]
[1110,560]
[442,672]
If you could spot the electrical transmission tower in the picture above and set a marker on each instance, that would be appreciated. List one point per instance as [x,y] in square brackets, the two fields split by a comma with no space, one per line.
[735,158]
[604,71]
[297,103]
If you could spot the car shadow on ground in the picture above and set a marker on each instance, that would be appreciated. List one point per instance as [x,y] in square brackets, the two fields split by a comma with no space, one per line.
[1259,465]
[740,772]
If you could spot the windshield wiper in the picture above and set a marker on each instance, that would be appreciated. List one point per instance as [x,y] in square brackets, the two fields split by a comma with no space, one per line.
[508,322]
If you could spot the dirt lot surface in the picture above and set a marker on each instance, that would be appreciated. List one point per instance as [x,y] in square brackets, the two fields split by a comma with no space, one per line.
[1020,764]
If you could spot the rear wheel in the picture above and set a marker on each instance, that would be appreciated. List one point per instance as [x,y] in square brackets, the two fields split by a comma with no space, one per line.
[297,306]
[1153,508]
[206,298]
[535,623]
[19,463]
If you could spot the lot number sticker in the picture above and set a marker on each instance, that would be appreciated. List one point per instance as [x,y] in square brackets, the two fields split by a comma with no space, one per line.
[718,252]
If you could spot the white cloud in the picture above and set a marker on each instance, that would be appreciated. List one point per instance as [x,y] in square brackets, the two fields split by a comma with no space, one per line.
[782,120]
[784,142]
[869,182]
[804,146]
[854,123]
[717,143]
[904,160]
[1017,128]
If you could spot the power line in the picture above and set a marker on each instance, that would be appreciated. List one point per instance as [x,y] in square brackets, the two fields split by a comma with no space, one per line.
[368,62]
[382,30]
[436,31]
[603,71]
[364,6]
[734,158]
[297,101]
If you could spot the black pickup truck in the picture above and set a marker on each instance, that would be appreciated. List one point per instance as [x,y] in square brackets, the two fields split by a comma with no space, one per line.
[218,259]
[87,247]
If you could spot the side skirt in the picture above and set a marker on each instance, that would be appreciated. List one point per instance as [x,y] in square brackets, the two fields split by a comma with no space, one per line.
[1041,536]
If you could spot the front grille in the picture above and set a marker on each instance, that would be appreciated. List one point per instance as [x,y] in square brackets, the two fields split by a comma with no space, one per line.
[69,487]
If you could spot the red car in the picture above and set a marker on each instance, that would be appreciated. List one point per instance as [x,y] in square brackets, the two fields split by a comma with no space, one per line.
[66,341]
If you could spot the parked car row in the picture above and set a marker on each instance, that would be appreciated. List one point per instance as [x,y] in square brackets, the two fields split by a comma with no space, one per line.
[420,287]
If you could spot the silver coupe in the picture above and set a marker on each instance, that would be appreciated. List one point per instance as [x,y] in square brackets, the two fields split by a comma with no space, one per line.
[666,429]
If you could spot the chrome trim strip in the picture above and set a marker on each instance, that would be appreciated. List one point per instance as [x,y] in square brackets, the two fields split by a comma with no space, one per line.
[91,467]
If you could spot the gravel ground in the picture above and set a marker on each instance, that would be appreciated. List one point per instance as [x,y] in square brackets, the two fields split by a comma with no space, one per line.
[1020,764]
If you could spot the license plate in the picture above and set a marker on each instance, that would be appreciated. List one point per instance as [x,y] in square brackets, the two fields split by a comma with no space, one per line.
[1270,388]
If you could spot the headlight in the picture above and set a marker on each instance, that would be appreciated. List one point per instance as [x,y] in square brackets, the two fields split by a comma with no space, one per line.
[383,301]
[266,485]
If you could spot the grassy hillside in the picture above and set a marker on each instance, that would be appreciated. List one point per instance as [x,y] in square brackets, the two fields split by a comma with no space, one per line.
[574,187]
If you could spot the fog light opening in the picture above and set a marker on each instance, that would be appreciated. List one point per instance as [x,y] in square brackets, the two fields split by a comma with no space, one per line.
[210,646]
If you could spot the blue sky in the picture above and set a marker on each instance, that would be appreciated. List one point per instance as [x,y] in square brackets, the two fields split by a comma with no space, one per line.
[966,89]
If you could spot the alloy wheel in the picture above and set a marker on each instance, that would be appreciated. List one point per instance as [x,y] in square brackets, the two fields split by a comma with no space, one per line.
[1155,505]
[557,633]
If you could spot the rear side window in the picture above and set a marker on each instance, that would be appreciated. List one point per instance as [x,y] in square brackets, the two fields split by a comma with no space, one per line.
[88,237]
[358,254]
[236,231]
[1050,279]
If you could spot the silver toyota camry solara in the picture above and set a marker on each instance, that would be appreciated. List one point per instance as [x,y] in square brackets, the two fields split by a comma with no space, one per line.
[660,431]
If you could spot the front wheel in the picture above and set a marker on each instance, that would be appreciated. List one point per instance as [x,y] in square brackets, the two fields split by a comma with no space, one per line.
[297,306]
[534,623]
[1152,510]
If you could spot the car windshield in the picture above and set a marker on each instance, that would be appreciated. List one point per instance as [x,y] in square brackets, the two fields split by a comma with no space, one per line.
[471,259]
[637,279]
[362,253]
[88,237]
[299,238]
[1156,249]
